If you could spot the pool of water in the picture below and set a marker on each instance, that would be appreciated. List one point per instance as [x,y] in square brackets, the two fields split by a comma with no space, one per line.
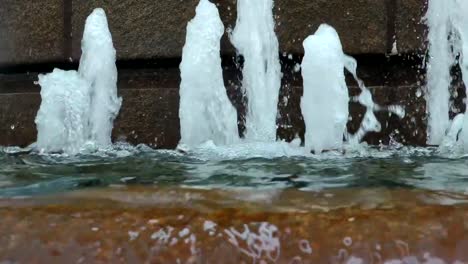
[23,173]
[243,204]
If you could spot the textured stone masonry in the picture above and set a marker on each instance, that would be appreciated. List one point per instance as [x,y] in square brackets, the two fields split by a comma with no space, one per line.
[149,35]
[44,31]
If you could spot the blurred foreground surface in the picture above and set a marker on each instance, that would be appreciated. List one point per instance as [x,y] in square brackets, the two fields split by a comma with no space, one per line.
[124,224]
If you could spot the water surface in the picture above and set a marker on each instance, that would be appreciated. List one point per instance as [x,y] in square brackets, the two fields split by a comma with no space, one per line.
[24,173]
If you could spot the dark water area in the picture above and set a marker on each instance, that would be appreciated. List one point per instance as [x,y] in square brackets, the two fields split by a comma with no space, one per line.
[29,174]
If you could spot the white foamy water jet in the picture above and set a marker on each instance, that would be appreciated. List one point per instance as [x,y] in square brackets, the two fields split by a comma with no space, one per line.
[97,66]
[78,108]
[460,23]
[325,101]
[255,39]
[246,150]
[62,120]
[440,61]
[206,112]
[449,143]
[369,122]
[448,45]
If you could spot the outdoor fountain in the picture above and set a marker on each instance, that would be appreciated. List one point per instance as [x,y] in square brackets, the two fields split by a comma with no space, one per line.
[79,108]
[219,197]
[206,113]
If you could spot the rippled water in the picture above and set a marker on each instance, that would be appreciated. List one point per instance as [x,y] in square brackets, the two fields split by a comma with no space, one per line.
[253,202]
[24,174]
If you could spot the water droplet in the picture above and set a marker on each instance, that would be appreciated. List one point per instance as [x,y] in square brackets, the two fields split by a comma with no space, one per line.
[418,93]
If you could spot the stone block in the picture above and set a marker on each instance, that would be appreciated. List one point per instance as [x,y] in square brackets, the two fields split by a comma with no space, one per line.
[141,29]
[361,24]
[17,114]
[31,31]
[38,32]
[144,29]
[149,116]
[410,27]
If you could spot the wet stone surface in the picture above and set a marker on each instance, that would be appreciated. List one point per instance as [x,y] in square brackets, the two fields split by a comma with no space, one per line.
[101,230]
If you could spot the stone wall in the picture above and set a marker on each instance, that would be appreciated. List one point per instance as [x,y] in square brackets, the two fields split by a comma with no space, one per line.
[44,31]
[149,35]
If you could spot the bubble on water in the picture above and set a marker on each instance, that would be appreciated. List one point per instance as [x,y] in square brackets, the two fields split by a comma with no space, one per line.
[297,67]
[173,241]
[184,232]
[163,235]
[133,235]
[264,243]
[418,93]
[209,226]
[305,247]
[348,241]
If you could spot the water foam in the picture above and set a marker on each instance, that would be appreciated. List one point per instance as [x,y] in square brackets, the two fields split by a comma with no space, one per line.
[97,66]
[448,46]
[62,120]
[255,39]
[325,101]
[79,108]
[438,70]
[205,110]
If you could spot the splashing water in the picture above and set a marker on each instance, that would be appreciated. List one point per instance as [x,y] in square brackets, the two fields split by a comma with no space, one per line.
[448,45]
[324,104]
[80,107]
[438,70]
[205,110]
[255,39]
[461,27]
[370,122]
[97,66]
[325,101]
[62,120]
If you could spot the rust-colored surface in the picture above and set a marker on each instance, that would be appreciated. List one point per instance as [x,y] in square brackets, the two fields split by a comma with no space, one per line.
[182,226]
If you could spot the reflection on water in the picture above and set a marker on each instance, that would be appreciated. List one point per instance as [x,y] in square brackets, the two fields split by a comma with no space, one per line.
[23,173]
